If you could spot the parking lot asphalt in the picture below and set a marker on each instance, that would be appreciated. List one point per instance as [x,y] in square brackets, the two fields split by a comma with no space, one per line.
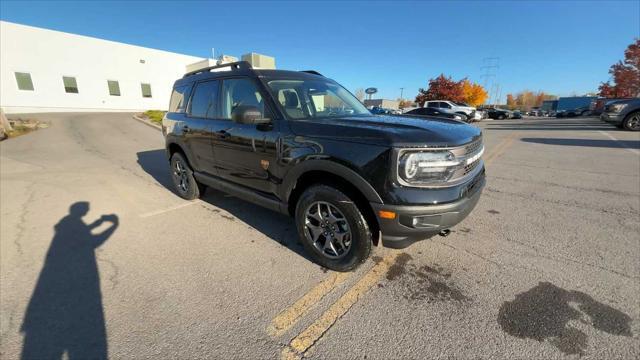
[547,265]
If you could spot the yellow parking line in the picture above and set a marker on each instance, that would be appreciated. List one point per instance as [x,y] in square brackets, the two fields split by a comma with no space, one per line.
[301,343]
[500,148]
[287,318]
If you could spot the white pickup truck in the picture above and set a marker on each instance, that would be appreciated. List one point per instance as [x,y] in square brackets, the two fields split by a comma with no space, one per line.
[455,107]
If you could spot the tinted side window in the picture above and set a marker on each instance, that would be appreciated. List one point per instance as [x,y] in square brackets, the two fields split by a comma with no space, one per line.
[236,92]
[445,105]
[179,97]
[204,102]
[432,104]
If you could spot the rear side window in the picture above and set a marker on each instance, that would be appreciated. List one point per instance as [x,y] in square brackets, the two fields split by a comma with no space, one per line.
[204,102]
[432,104]
[179,97]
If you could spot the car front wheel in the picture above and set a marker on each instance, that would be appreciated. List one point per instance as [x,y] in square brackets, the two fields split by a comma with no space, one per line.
[332,228]
[184,182]
[632,121]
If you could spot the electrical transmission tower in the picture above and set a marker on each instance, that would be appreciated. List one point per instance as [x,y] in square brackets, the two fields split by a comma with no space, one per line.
[490,66]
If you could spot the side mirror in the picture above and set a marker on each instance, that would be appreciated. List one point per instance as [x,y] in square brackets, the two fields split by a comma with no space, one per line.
[247,114]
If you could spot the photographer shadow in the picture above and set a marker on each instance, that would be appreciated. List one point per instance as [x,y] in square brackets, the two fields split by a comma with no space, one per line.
[65,312]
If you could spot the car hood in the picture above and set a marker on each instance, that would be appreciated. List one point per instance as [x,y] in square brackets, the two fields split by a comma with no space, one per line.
[388,130]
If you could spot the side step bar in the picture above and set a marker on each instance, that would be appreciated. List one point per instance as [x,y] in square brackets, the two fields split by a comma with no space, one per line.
[242,192]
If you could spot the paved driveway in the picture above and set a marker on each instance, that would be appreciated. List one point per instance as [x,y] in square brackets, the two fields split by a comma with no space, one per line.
[98,257]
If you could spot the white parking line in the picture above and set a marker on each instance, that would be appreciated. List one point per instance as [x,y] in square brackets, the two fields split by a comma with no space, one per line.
[162,211]
[635,151]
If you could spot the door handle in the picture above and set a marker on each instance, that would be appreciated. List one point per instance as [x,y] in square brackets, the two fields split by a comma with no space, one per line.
[223,134]
[185,129]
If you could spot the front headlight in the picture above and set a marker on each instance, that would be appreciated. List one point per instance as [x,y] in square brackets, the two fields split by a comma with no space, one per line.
[427,167]
[617,107]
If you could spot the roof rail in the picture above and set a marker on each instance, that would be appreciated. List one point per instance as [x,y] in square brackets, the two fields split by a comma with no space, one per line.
[312,72]
[240,65]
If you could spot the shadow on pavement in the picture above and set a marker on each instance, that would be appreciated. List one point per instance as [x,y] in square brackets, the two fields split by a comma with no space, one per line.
[551,124]
[553,128]
[276,226]
[65,312]
[546,312]
[620,144]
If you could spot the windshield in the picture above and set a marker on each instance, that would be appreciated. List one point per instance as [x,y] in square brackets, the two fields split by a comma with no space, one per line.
[315,98]
[461,104]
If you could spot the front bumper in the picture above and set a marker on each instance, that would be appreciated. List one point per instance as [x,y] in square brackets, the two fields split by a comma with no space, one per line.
[417,222]
[611,118]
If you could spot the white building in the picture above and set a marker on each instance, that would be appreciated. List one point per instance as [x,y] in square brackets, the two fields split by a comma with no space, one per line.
[44,71]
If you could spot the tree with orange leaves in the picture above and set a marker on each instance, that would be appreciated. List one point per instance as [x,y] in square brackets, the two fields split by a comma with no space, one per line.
[472,93]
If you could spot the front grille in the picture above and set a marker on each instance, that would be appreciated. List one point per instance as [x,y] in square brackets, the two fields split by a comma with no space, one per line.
[469,168]
[473,147]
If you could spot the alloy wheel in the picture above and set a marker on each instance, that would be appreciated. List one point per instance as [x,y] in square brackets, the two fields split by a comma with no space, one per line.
[634,122]
[327,229]
[181,176]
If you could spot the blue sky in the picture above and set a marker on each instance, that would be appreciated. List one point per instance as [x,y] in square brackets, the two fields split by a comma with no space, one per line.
[561,47]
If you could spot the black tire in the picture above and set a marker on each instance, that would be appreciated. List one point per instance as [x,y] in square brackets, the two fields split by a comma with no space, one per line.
[500,117]
[184,183]
[632,121]
[359,236]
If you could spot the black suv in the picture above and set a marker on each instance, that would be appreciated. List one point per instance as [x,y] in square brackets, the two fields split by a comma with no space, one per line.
[299,143]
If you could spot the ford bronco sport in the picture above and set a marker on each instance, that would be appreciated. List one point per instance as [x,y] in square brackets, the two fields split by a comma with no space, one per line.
[299,143]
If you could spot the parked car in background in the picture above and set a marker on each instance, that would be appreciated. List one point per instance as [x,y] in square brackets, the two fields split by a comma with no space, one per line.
[624,114]
[499,114]
[581,111]
[516,115]
[460,108]
[445,113]
[380,111]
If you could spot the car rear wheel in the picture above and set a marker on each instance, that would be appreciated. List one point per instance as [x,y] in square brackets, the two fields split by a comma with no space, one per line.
[632,121]
[184,182]
[332,228]
[500,117]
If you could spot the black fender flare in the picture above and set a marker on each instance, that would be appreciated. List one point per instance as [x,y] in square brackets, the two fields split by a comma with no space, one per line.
[291,178]
[175,141]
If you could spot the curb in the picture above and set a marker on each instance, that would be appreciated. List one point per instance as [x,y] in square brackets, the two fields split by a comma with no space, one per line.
[147,122]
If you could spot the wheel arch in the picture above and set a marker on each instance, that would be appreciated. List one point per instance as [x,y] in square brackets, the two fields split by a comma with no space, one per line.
[173,148]
[339,176]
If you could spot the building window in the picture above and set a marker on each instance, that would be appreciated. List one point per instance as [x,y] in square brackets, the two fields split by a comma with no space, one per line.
[70,84]
[24,81]
[114,88]
[146,90]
